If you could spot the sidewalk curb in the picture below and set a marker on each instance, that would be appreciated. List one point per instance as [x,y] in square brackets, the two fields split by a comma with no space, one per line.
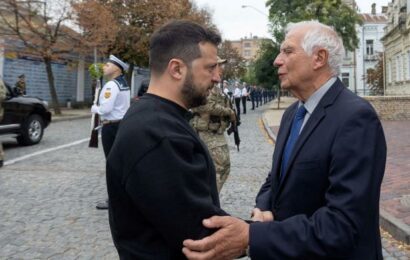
[388,222]
[271,135]
[395,227]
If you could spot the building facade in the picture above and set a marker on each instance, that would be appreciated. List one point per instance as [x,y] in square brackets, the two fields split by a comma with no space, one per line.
[248,48]
[71,77]
[365,57]
[397,49]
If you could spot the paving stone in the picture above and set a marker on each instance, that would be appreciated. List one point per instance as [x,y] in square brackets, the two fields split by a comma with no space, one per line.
[47,203]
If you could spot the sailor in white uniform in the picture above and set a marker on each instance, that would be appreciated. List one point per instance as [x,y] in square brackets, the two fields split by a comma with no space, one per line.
[113,103]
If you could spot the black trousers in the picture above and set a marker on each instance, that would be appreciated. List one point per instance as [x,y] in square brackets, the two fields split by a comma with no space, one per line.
[238,107]
[253,102]
[244,104]
[108,133]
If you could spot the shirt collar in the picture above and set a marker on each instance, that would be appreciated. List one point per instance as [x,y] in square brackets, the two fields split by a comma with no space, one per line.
[315,98]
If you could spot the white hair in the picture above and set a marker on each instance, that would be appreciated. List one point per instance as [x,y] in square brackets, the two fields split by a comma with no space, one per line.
[321,36]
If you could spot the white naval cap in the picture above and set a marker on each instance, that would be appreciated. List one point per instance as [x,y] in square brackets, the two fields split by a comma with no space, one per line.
[122,65]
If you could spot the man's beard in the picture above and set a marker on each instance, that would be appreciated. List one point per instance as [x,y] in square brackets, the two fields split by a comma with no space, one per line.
[191,95]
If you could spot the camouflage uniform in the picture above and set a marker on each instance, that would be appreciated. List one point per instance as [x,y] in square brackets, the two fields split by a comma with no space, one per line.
[2,97]
[210,121]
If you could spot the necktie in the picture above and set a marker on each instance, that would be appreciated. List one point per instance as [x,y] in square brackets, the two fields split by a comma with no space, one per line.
[293,137]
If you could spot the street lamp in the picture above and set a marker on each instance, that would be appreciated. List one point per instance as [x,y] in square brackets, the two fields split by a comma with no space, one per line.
[256,9]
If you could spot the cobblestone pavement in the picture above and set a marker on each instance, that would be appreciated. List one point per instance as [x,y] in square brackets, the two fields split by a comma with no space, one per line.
[395,197]
[47,203]
[47,207]
[249,169]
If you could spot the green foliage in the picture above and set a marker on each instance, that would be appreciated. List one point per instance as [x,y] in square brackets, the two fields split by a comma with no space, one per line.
[263,69]
[96,70]
[249,76]
[330,12]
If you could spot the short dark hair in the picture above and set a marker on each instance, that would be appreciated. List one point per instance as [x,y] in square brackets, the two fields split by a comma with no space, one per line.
[178,39]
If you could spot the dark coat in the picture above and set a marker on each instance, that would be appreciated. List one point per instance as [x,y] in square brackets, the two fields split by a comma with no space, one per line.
[327,206]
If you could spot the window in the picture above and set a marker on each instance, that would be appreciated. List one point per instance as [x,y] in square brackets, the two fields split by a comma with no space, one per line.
[408,65]
[369,47]
[247,53]
[389,71]
[247,44]
[398,68]
[345,79]
[403,59]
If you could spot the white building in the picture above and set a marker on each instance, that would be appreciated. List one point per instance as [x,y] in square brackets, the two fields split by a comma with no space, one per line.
[356,64]
[397,46]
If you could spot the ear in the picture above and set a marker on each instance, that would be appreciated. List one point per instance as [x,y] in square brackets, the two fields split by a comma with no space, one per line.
[320,59]
[176,69]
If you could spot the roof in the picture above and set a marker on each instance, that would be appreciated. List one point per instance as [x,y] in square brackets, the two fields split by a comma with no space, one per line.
[373,18]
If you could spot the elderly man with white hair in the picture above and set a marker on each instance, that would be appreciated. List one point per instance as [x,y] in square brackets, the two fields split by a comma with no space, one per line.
[321,197]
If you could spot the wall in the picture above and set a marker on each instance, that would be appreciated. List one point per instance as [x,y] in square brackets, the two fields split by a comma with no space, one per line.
[391,107]
[65,78]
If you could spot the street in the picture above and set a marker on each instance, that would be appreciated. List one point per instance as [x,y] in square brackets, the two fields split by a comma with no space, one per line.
[47,201]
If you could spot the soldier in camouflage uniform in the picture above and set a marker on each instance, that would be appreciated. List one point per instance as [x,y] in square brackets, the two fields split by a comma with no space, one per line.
[210,121]
[2,97]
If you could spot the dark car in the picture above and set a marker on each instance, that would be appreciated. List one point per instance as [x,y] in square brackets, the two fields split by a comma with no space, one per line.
[24,116]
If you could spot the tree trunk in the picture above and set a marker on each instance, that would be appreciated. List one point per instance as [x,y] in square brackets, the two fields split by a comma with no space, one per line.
[129,74]
[53,93]
[279,94]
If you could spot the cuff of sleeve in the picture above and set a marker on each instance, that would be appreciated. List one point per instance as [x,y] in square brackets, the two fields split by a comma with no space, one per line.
[257,240]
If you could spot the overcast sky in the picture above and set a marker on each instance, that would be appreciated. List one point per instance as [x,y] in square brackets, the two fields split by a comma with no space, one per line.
[236,22]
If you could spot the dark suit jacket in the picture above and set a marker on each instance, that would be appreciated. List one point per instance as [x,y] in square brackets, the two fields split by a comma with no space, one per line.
[327,205]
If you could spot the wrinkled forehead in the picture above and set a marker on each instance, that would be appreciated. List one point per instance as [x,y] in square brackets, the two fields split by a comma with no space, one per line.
[293,39]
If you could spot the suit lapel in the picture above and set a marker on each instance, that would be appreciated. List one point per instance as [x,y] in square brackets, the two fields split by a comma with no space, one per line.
[280,146]
[317,116]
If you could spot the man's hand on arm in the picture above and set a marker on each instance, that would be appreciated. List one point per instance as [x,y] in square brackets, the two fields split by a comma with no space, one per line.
[262,216]
[229,242]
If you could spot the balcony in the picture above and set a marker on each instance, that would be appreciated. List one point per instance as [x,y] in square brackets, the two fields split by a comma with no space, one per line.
[371,57]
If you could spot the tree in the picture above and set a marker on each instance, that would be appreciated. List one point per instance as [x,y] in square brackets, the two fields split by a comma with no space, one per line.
[265,72]
[97,25]
[281,12]
[137,20]
[29,22]
[235,68]
[375,77]
[330,12]
[250,76]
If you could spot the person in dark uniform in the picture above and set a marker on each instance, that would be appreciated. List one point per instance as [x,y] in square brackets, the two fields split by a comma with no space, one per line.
[265,96]
[161,179]
[253,96]
[113,102]
[20,87]
[261,91]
